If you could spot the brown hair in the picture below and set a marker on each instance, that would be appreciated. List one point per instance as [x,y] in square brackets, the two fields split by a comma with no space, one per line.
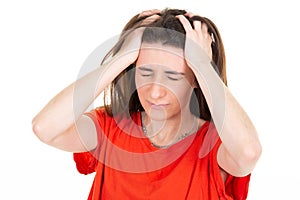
[121,95]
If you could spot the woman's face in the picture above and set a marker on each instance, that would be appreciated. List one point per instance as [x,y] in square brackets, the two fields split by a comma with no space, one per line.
[164,81]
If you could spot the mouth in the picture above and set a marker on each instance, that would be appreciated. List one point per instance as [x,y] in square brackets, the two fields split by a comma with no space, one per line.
[157,105]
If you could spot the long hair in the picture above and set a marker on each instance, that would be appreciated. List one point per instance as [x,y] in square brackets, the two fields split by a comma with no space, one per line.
[121,95]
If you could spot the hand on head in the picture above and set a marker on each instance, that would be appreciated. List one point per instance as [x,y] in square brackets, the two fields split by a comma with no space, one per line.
[197,34]
[197,31]
[149,16]
[195,27]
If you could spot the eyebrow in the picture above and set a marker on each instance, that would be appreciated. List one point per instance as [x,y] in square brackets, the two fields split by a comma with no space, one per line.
[146,69]
[167,72]
[174,73]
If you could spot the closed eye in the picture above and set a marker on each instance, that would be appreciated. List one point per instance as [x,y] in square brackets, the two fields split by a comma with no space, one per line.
[174,76]
[145,72]
[146,75]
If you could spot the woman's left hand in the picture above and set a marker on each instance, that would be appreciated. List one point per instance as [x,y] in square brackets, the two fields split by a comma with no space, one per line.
[240,148]
[196,37]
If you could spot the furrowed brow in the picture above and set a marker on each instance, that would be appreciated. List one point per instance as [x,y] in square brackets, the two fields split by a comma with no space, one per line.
[145,69]
[174,73]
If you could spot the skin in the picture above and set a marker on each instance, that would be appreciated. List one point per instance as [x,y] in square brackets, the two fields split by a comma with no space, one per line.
[240,148]
[75,132]
[165,84]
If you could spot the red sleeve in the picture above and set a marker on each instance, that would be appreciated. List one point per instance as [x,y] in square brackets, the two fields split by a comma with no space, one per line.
[237,187]
[86,162]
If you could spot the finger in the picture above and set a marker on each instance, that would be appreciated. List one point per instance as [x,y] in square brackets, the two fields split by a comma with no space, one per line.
[206,34]
[185,23]
[195,20]
[197,26]
[149,12]
[194,17]
[150,19]
[204,29]
[189,14]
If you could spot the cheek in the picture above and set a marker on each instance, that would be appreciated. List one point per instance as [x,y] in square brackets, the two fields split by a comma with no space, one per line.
[140,81]
[141,89]
[182,96]
[182,93]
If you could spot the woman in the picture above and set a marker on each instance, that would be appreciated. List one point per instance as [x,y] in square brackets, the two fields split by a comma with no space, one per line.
[170,128]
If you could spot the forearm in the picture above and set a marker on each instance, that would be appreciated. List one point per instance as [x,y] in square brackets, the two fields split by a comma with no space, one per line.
[63,110]
[240,146]
[237,132]
[67,106]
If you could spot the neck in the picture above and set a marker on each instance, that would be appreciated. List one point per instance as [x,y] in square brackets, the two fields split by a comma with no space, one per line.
[164,133]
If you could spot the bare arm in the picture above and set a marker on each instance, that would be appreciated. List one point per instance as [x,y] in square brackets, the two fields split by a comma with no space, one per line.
[240,148]
[61,122]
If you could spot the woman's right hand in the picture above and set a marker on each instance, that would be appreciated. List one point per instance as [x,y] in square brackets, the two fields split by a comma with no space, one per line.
[151,16]
[130,46]
[61,122]
[131,39]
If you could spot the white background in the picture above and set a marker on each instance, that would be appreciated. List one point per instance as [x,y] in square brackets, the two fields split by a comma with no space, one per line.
[43,45]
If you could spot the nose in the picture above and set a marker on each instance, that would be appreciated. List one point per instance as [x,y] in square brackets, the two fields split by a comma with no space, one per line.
[157,91]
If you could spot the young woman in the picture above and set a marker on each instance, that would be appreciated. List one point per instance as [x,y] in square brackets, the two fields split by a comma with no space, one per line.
[170,128]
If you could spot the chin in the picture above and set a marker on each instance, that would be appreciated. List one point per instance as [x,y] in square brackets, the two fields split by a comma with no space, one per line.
[157,114]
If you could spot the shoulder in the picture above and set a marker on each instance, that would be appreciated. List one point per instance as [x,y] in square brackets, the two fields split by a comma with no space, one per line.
[99,115]
[98,112]
[107,122]
[209,138]
[101,112]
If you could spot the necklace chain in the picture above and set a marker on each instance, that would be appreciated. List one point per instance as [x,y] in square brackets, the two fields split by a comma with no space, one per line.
[181,137]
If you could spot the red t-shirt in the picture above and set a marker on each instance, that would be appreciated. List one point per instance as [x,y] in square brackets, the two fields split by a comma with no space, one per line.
[127,166]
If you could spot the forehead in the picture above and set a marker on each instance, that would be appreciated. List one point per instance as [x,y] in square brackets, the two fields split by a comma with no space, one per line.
[157,54]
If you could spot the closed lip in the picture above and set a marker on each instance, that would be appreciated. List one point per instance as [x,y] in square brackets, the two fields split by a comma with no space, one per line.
[157,105]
